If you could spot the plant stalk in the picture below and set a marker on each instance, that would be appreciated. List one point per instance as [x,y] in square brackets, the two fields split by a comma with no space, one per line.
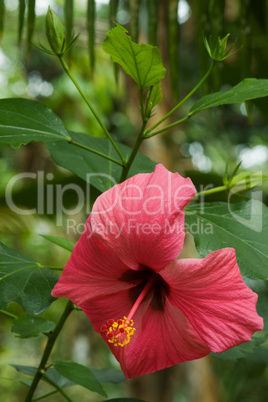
[182,101]
[50,343]
[213,190]
[161,130]
[6,313]
[134,152]
[60,390]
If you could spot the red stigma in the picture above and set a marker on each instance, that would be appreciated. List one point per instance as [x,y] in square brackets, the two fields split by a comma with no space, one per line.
[118,332]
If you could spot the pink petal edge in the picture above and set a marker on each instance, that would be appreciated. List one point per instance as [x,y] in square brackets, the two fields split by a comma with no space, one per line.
[142,219]
[92,270]
[213,296]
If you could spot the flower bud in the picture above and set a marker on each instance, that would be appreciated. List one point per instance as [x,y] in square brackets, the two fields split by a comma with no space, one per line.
[218,51]
[55,33]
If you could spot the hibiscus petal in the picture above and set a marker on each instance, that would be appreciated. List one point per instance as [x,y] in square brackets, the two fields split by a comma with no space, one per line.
[212,295]
[167,338]
[92,270]
[161,339]
[142,219]
[116,306]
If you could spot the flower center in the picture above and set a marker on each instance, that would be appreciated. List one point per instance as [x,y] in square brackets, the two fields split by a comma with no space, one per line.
[119,332]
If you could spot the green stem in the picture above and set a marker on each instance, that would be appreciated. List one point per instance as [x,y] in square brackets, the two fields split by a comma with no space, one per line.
[212,190]
[54,268]
[70,75]
[161,130]
[142,105]
[148,101]
[6,313]
[95,152]
[57,387]
[182,101]
[50,343]
[134,152]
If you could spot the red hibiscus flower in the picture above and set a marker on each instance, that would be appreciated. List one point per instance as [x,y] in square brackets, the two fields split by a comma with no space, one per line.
[152,309]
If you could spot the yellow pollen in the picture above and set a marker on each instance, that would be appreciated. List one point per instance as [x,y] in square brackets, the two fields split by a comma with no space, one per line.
[119,332]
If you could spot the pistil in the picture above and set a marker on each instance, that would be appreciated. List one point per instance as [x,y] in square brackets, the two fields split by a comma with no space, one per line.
[119,332]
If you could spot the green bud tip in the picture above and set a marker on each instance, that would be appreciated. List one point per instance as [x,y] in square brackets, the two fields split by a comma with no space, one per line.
[55,33]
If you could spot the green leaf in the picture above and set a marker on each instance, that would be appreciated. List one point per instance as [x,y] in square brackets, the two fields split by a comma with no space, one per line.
[28,327]
[242,226]
[142,62]
[24,281]
[63,243]
[23,121]
[249,88]
[96,170]
[80,375]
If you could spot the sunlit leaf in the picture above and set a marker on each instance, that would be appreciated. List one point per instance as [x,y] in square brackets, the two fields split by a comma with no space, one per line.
[142,62]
